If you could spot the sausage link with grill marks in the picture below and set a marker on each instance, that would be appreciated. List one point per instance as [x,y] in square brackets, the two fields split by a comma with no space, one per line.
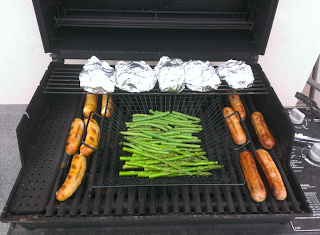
[272,174]
[237,105]
[92,138]
[108,109]
[262,130]
[235,128]
[75,135]
[254,182]
[74,178]
[91,104]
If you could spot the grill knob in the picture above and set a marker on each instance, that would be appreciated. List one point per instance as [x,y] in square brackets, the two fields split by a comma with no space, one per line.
[315,152]
[296,116]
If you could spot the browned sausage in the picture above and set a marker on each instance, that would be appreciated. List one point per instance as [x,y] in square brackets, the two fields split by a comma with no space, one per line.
[237,133]
[92,138]
[75,135]
[262,130]
[74,178]
[254,182]
[237,105]
[104,104]
[90,104]
[272,174]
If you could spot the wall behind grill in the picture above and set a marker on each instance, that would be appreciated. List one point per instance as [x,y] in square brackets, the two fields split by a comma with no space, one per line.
[291,53]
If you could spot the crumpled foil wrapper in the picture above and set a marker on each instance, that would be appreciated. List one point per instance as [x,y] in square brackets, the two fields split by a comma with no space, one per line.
[135,76]
[236,73]
[97,77]
[170,74]
[201,76]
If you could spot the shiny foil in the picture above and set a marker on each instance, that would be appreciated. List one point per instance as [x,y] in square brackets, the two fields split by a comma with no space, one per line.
[201,76]
[135,76]
[236,73]
[97,77]
[170,74]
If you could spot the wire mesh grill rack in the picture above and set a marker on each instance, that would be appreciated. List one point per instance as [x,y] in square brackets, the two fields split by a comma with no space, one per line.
[153,19]
[215,140]
[65,80]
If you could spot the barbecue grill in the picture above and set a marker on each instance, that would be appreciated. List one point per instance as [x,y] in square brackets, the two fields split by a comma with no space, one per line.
[124,30]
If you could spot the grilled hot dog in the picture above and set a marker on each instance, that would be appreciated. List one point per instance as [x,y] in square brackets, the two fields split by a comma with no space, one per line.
[272,174]
[237,133]
[261,128]
[104,105]
[254,182]
[74,178]
[92,138]
[75,135]
[237,105]
[90,104]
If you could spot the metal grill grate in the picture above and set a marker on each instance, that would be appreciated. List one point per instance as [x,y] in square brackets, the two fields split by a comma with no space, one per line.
[104,206]
[215,140]
[65,80]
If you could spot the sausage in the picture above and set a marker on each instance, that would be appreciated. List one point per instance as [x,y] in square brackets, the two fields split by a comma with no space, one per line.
[74,178]
[75,135]
[272,174]
[237,105]
[92,138]
[262,130]
[104,104]
[237,133]
[90,104]
[254,182]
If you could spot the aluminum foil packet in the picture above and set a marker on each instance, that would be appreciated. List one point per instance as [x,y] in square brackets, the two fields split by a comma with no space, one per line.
[97,77]
[201,76]
[170,74]
[135,76]
[236,73]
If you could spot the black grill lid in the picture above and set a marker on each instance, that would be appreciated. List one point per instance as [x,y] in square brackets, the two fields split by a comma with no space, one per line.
[215,30]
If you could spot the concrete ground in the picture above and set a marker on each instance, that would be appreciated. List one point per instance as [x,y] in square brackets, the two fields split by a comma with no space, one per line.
[10,166]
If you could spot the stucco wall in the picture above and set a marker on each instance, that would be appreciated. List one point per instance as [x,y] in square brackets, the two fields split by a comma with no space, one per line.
[293,48]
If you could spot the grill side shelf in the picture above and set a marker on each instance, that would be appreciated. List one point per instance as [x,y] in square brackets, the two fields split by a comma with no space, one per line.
[40,170]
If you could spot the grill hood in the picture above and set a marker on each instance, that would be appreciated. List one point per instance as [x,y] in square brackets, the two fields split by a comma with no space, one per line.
[208,30]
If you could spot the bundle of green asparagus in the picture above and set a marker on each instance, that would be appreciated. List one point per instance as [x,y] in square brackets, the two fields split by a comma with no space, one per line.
[163,145]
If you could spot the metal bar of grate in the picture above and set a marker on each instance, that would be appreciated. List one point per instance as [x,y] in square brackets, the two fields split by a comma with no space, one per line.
[131,195]
[238,196]
[108,202]
[165,208]
[207,199]
[186,199]
[153,201]
[142,200]
[196,199]
[120,200]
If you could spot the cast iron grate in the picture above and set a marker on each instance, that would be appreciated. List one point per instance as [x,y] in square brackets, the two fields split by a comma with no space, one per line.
[107,205]
[215,140]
